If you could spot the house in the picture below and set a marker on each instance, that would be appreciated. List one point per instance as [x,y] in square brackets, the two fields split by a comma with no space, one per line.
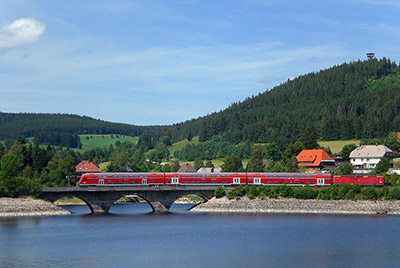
[187,168]
[364,158]
[315,160]
[209,170]
[85,167]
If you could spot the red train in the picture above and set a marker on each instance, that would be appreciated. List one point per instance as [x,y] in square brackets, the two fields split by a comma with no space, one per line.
[126,179]
[361,180]
[293,179]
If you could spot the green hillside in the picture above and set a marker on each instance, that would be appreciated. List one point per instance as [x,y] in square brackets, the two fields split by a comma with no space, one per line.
[349,101]
[62,129]
[91,141]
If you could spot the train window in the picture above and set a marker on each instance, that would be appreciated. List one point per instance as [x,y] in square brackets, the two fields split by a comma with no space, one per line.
[291,182]
[130,182]
[326,180]
[275,182]
[126,182]
[120,182]
[109,182]
[136,182]
[93,179]
[311,182]
[311,177]
[285,182]
[286,176]
[296,182]
[152,179]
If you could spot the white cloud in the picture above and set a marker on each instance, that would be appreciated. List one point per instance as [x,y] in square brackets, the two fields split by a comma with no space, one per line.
[20,32]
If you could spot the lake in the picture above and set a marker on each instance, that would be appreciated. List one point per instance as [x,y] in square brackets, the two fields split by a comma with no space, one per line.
[131,237]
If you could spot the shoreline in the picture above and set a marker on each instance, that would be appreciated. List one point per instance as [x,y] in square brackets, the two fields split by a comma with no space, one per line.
[27,206]
[299,206]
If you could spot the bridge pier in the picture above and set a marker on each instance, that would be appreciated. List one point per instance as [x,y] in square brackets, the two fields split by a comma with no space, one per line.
[158,207]
[99,206]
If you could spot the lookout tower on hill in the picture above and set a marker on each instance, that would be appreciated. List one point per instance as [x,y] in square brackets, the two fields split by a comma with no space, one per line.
[371,55]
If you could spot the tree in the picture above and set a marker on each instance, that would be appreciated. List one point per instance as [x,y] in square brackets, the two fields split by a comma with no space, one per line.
[272,152]
[392,141]
[198,163]
[345,169]
[209,164]
[256,162]
[292,150]
[382,166]
[309,139]
[175,166]
[347,149]
[165,139]
[219,192]
[231,164]
[10,168]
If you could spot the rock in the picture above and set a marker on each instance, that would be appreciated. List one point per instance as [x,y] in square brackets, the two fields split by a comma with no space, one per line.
[27,206]
[245,205]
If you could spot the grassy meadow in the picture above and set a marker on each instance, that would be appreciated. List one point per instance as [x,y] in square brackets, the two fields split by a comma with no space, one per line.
[92,141]
[336,146]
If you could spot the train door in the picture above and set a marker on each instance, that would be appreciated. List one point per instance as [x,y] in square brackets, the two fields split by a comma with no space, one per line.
[257,181]
[144,181]
[175,181]
[101,182]
[320,181]
[236,180]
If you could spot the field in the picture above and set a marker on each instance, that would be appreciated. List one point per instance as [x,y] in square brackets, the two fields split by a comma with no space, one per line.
[92,141]
[179,145]
[336,146]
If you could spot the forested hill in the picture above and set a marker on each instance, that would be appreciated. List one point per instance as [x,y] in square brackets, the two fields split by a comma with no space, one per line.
[353,100]
[61,129]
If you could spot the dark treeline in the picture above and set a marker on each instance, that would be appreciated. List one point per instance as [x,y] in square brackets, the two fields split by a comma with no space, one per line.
[61,129]
[353,100]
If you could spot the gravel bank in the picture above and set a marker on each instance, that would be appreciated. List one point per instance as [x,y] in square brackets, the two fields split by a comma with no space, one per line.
[27,206]
[245,205]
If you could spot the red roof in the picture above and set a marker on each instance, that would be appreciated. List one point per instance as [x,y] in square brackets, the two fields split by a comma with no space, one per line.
[86,166]
[313,158]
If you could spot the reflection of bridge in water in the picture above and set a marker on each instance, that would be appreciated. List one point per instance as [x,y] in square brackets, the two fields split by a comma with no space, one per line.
[100,199]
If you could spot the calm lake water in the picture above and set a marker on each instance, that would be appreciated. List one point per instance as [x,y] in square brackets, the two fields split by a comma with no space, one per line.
[133,237]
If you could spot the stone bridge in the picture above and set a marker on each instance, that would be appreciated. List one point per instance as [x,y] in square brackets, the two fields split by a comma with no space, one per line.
[99,199]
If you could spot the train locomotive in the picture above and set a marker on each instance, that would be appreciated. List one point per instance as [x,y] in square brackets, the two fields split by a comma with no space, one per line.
[224,179]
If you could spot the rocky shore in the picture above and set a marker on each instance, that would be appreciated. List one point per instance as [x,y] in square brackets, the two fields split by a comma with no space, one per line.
[27,206]
[245,205]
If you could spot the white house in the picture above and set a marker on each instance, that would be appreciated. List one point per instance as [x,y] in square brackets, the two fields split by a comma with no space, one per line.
[365,158]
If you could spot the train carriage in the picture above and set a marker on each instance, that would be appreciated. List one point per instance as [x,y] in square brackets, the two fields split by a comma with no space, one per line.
[294,179]
[361,180]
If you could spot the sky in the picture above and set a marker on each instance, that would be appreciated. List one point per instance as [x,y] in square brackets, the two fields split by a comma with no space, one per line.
[158,62]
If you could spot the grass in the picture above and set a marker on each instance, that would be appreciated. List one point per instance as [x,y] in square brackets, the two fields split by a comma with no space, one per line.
[92,141]
[336,146]
[180,144]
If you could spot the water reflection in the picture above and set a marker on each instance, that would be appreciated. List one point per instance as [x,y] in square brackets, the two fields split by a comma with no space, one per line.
[183,238]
